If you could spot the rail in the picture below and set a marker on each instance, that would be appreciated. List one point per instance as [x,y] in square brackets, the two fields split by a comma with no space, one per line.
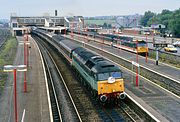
[162,80]
[58,114]
[53,98]
[126,110]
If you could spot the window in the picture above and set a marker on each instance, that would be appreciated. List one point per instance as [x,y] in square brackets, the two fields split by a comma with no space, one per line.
[141,44]
[116,74]
[105,76]
[14,25]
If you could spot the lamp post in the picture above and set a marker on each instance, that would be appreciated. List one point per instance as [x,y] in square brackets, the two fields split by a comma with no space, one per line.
[14,69]
[25,61]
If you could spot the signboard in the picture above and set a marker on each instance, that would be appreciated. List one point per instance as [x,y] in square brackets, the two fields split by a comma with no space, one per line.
[160,45]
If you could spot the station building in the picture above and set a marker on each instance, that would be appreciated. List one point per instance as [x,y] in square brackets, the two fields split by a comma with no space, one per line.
[21,25]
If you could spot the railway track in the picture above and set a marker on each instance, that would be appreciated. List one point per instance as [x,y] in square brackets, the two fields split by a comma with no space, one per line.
[128,112]
[87,105]
[4,34]
[168,83]
[59,112]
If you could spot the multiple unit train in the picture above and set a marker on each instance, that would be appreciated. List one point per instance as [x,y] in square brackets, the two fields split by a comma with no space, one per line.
[104,78]
[128,43]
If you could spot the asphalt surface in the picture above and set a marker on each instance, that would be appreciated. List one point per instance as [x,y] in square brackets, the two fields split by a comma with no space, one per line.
[158,102]
[162,104]
[34,102]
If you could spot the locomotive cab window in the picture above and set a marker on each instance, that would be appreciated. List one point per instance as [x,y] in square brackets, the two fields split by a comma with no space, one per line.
[105,76]
[116,74]
[141,44]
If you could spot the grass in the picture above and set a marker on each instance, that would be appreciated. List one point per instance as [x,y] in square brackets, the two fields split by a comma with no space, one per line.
[165,58]
[7,56]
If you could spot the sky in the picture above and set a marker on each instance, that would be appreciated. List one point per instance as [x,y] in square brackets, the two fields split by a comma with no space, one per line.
[83,7]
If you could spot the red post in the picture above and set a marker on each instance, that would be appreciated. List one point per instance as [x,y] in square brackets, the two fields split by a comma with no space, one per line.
[102,44]
[27,51]
[27,47]
[15,98]
[87,34]
[26,37]
[137,63]
[146,48]
[25,88]
[79,32]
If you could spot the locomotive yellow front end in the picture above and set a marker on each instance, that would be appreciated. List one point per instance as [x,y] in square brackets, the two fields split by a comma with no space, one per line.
[111,89]
[142,47]
[142,50]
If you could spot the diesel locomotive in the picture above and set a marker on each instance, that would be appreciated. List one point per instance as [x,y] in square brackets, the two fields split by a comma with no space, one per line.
[102,76]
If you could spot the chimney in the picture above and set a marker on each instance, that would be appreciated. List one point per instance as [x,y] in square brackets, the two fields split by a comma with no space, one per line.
[55,12]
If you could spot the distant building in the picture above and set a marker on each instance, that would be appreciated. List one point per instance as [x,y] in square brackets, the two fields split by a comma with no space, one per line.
[75,22]
[158,26]
[19,24]
[128,21]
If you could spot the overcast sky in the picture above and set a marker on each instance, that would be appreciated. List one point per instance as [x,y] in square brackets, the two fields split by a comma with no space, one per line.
[84,7]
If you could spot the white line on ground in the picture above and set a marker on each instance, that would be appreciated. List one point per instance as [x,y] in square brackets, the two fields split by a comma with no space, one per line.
[24,112]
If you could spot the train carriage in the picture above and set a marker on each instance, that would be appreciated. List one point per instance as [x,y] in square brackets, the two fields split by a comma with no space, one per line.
[102,76]
[128,43]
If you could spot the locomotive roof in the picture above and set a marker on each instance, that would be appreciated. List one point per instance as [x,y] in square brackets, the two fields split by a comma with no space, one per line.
[105,66]
[58,37]
[69,44]
[95,62]
[84,53]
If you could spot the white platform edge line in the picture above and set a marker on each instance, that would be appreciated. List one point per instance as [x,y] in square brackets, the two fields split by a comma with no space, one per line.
[50,110]
[143,108]
[24,112]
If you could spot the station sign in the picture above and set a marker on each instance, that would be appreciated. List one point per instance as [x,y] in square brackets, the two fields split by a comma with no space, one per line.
[160,45]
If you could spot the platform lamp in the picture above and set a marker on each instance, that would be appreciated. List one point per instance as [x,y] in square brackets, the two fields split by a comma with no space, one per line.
[14,69]
[25,62]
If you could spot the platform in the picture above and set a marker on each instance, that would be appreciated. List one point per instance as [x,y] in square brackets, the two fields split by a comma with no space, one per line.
[34,103]
[159,102]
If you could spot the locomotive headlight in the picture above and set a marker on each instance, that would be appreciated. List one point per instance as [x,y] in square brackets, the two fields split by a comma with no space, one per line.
[111,80]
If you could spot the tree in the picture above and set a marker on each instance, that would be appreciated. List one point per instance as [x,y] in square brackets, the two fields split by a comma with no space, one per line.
[105,25]
[109,26]
[147,16]
[171,19]
[174,23]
